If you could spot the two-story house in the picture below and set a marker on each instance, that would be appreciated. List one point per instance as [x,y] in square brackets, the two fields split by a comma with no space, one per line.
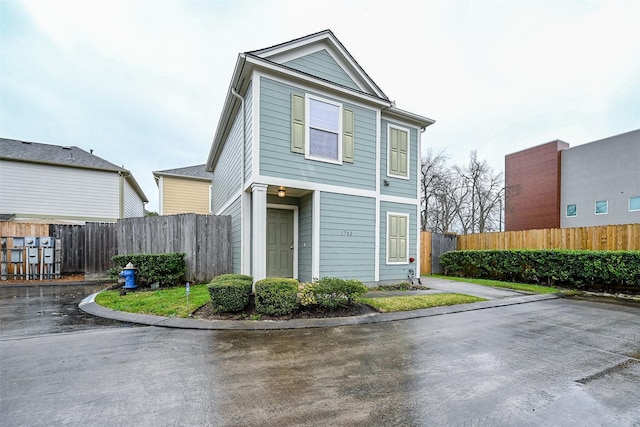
[184,190]
[61,184]
[317,167]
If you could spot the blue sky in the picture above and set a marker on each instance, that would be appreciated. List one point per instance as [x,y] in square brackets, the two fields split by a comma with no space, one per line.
[142,83]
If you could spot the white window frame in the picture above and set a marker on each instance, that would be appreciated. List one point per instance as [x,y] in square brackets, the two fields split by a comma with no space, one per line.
[406,261]
[403,129]
[633,210]
[596,207]
[307,127]
[566,211]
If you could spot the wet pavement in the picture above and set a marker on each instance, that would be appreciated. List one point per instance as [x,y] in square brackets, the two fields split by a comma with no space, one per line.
[549,362]
[29,309]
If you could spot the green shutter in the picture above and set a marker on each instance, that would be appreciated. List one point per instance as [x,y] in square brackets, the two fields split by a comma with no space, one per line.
[297,123]
[398,152]
[402,153]
[397,232]
[347,136]
[393,151]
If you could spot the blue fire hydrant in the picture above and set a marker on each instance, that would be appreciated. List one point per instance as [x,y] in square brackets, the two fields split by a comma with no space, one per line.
[129,274]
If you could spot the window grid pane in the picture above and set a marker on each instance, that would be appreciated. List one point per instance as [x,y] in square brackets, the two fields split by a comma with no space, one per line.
[324,116]
[601,207]
[572,210]
[323,144]
[634,203]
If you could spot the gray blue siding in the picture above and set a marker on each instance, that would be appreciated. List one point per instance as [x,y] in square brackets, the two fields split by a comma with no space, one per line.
[227,175]
[321,64]
[234,210]
[397,186]
[277,160]
[347,236]
[305,238]
[248,102]
[397,272]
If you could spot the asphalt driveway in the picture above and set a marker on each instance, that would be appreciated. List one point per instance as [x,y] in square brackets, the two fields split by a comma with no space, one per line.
[548,362]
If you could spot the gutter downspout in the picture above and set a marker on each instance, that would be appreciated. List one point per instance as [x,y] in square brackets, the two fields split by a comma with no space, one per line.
[243,226]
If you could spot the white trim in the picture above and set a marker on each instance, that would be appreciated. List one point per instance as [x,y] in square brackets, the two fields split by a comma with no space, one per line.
[295,210]
[210,196]
[408,132]
[259,221]
[229,202]
[255,125]
[315,246]
[245,233]
[161,196]
[307,125]
[314,186]
[401,200]
[297,75]
[386,258]
[378,177]
[595,207]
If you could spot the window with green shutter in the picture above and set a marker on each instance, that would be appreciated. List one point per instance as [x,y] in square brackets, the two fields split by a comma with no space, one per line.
[322,129]
[397,242]
[398,152]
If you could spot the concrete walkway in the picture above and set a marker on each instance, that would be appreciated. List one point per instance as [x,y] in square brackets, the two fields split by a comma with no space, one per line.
[495,298]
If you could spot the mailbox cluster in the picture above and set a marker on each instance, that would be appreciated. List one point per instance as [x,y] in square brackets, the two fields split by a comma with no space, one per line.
[29,258]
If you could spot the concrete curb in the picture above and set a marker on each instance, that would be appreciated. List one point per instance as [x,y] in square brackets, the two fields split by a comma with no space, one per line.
[88,305]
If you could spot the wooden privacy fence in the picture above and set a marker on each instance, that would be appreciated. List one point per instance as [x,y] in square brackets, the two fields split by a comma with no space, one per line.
[604,238]
[206,240]
[88,248]
[609,237]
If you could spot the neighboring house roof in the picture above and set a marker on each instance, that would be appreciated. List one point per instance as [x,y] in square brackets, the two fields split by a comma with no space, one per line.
[281,58]
[193,172]
[57,155]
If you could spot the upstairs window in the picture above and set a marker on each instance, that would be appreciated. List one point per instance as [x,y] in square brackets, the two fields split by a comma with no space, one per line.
[572,210]
[602,207]
[634,204]
[321,129]
[324,130]
[398,152]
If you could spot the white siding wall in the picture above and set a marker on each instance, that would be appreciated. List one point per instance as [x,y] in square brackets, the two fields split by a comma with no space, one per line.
[133,205]
[58,192]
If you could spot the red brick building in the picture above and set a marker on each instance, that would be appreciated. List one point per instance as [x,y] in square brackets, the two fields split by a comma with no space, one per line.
[532,180]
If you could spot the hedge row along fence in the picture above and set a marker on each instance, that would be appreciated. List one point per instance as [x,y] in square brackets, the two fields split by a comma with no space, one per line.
[588,270]
[166,269]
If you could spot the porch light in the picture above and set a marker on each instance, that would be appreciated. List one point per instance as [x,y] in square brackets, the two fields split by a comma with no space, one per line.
[281,192]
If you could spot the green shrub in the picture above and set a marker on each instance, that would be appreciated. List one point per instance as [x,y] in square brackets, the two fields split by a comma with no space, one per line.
[166,269]
[229,294]
[232,276]
[596,270]
[331,292]
[276,296]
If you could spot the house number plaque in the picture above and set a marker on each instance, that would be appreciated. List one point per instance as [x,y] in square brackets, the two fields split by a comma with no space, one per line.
[347,233]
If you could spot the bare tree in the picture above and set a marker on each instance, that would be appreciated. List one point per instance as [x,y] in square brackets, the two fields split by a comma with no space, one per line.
[463,199]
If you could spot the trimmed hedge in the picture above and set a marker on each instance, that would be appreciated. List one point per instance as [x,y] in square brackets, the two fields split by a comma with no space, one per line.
[276,296]
[331,292]
[166,269]
[229,292]
[594,270]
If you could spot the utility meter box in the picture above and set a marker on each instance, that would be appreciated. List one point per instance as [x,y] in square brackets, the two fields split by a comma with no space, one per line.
[16,255]
[45,242]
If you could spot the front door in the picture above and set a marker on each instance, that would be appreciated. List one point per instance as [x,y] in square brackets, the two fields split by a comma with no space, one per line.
[279,243]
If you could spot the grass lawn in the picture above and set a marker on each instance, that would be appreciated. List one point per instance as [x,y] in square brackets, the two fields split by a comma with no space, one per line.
[416,302]
[525,287]
[164,302]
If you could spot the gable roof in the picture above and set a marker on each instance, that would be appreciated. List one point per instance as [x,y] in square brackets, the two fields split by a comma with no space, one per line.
[34,152]
[66,156]
[194,172]
[281,59]
[285,53]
